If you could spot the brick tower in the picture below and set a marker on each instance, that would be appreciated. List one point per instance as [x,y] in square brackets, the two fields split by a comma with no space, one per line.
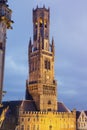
[41,84]
[5,23]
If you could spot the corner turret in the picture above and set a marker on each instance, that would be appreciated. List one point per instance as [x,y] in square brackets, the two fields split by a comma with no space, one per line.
[30,46]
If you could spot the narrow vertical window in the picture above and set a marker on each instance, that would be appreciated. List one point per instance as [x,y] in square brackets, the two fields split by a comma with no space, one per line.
[38,127]
[34,127]
[49,102]
[22,127]
[28,128]
[47,64]
[50,127]
[36,24]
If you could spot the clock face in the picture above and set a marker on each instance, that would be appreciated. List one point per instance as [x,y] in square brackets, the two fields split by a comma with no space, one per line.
[47,77]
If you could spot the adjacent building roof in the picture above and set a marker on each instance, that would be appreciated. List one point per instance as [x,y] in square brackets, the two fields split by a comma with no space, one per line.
[85,112]
[77,114]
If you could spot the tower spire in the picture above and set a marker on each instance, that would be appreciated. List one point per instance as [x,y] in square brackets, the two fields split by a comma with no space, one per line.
[30,46]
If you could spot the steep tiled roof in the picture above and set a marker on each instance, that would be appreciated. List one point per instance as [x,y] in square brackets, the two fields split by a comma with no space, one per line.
[12,106]
[85,112]
[77,114]
[62,107]
[1,109]
[27,105]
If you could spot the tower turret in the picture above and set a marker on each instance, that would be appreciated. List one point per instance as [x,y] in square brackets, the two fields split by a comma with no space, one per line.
[5,23]
[30,46]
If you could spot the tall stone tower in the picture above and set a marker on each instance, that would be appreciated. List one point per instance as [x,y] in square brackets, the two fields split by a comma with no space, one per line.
[5,23]
[41,84]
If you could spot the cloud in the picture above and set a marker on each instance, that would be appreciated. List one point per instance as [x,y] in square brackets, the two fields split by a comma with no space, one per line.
[14,67]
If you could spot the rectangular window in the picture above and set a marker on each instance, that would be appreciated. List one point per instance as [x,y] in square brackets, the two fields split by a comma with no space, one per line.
[49,109]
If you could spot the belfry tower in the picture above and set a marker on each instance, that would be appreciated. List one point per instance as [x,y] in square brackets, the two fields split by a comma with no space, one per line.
[5,23]
[41,84]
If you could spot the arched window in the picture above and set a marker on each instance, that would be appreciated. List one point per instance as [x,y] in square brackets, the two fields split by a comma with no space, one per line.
[45,23]
[22,119]
[36,24]
[50,127]
[47,64]
[1,45]
[49,102]
[28,119]
[40,23]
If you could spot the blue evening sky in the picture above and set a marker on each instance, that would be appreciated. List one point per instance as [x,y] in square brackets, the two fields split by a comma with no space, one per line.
[68,26]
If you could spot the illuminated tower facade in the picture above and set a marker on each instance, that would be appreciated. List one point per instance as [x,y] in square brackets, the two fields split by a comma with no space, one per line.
[5,23]
[41,84]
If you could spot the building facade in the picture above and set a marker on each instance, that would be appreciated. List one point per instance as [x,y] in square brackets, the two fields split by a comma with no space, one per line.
[46,121]
[82,121]
[5,23]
